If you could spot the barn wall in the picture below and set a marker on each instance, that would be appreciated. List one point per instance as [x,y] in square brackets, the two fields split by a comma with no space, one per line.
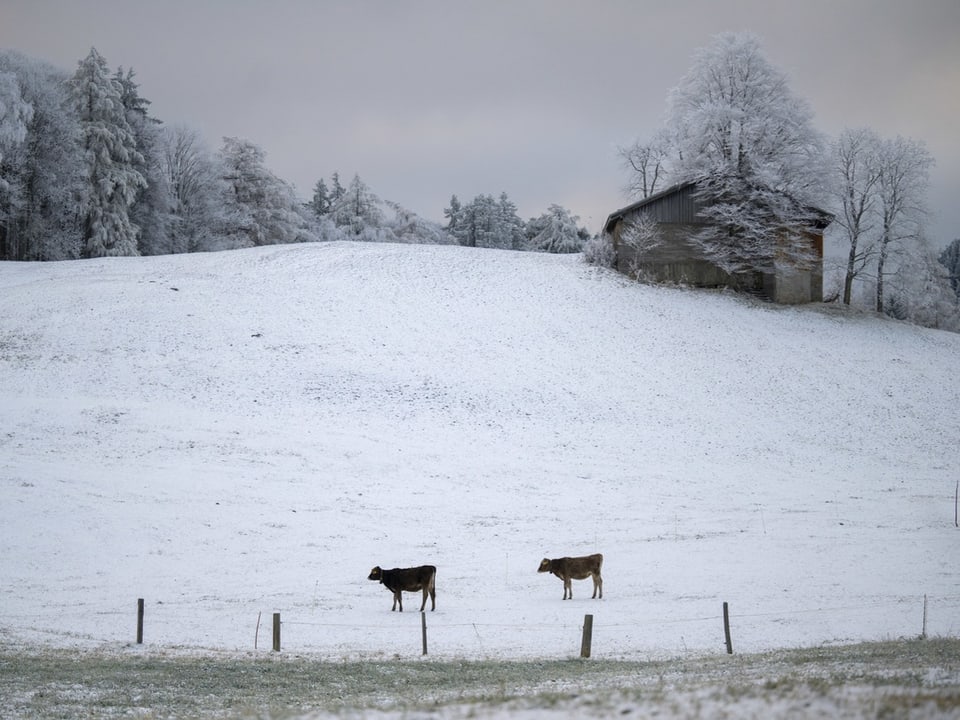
[792,286]
[677,260]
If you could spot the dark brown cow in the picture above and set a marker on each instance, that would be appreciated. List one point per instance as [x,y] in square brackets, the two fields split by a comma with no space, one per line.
[575,568]
[400,580]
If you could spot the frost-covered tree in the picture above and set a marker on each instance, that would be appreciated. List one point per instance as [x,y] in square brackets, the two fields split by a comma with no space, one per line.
[261,208]
[477,223]
[856,169]
[15,114]
[749,143]
[511,229]
[920,291]
[408,227]
[45,174]
[320,202]
[336,189]
[112,161]
[557,232]
[879,187]
[950,259]
[646,163]
[641,234]
[151,211]
[452,214]
[357,209]
[904,174]
[199,217]
[488,222]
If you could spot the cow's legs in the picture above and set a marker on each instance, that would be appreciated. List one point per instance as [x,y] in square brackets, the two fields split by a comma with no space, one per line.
[567,589]
[597,585]
[397,600]
[427,590]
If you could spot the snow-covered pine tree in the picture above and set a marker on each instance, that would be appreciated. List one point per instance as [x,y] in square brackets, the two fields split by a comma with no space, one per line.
[336,189]
[357,210]
[320,202]
[486,222]
[262,208]
[112,161]
[152,209]
[510,226]
[453,214]
[465,229]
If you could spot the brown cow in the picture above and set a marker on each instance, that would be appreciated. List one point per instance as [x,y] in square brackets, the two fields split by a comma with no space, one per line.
[575,568]
[399,580]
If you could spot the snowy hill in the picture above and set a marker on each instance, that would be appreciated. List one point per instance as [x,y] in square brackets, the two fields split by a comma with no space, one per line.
[244,432]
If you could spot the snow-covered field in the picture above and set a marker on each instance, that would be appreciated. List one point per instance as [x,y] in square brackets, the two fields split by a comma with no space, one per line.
[232,434]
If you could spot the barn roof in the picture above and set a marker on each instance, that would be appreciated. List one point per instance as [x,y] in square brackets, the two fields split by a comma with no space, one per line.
[824,218]
[619,214]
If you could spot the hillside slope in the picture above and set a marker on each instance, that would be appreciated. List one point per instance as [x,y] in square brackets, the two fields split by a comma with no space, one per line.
[248,432]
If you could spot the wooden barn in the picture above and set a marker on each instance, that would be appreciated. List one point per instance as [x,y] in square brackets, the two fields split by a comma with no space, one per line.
[676,259]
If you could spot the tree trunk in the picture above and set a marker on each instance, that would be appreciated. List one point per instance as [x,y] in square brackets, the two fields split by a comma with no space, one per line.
[881,261]
[851,273]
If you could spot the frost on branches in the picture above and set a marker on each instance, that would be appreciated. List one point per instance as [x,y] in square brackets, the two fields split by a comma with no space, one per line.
[750,146]
[261,208]
[557,232]
[112,161]
[15,113]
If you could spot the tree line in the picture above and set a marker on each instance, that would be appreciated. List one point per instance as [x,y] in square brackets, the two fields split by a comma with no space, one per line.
[86,171]
[764,173]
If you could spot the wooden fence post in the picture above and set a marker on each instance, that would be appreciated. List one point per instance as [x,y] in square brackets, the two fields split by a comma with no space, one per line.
[423,627]
[924,633]
[276,632]
[587,639]
[139,621]
[726,628]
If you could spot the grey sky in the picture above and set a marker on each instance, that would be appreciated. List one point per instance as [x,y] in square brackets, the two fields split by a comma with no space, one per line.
[430,98]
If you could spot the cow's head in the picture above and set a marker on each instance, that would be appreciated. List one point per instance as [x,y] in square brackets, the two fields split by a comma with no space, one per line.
[375,574]
[544,565]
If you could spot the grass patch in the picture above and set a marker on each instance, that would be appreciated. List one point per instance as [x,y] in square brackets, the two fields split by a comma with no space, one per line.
[881,679]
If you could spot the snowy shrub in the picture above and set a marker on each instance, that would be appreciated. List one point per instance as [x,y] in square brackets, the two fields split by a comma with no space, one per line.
[599,251]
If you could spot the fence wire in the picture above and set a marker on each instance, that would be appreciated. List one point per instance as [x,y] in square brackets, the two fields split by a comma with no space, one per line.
[938,604]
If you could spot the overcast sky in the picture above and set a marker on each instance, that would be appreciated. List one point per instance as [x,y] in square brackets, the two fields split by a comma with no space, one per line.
[429,98]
